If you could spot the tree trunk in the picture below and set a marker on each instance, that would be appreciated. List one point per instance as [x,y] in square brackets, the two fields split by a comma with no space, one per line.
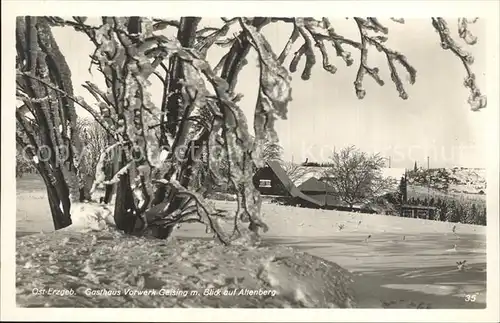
[173,109]
[59,218]
[59,205]
[85,195]
[111,168]
[231,68]
[39,55]
[186,36]
[125,212]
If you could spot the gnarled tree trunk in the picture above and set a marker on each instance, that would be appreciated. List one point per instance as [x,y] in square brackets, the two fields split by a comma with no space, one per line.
[186,36]
[47,119]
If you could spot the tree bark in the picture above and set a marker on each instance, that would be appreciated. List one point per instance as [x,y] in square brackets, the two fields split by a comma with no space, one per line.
[39,55]
[125,211]
[60,211]
[111,168]
[186,36]
[230,71]
[60,218]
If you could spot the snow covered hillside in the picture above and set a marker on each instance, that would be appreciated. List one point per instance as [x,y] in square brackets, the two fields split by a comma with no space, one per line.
[452,180]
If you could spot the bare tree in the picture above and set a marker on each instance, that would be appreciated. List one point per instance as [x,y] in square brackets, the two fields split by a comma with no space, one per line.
[160,148]
[294,171]
[270,151]
[94,141]
[356,176]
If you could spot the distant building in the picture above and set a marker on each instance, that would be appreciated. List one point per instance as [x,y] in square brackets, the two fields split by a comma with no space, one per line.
[267,182]
[419,211]
[315,186]
[320,191]
[273,180]
[325,194]
[310,172]
[312,192]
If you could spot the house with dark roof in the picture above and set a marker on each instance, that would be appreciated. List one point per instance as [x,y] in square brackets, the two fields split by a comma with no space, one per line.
[314,186]
[273,180]
[319,190]
[309,172]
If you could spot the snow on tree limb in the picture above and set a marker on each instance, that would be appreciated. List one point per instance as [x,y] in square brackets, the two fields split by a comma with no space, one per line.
[100,177]
[392,56]
[274,91]
[200,111]
[476,100]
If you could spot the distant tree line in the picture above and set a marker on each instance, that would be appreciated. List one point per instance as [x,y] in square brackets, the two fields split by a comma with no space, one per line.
[23,164]
[436,178]
[316,164]
[449,209]
[453,210]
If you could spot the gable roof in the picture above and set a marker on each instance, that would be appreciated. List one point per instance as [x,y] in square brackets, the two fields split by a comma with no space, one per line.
[319,171]
[315,185]
[309,172]
[288,184]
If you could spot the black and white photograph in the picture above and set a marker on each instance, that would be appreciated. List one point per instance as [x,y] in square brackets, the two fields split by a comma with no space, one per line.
[250,160]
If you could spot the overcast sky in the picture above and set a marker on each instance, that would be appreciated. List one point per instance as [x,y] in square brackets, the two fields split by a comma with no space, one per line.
[325,113]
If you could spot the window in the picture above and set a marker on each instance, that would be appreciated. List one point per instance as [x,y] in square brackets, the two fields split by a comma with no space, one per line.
[134,25]
[265,183]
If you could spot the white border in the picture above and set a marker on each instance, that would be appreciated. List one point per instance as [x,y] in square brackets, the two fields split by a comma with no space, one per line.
[488,10]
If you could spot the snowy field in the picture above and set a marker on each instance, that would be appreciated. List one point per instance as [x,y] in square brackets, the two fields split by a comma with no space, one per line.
[393,259]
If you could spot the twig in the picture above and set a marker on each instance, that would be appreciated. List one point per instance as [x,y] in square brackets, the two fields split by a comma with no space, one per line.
[358,83]
[160,24]
[289,44]
[476,99]
[391,56]
[308,50]
[199,202]
[79,100]
[206,42]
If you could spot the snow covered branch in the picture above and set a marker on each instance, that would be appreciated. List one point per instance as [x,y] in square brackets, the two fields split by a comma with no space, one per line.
[476,100]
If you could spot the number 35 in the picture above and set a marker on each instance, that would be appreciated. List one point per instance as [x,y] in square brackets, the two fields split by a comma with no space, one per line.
[470,298]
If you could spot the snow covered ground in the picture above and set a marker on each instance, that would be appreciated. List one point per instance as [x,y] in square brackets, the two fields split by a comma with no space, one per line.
[394,259]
